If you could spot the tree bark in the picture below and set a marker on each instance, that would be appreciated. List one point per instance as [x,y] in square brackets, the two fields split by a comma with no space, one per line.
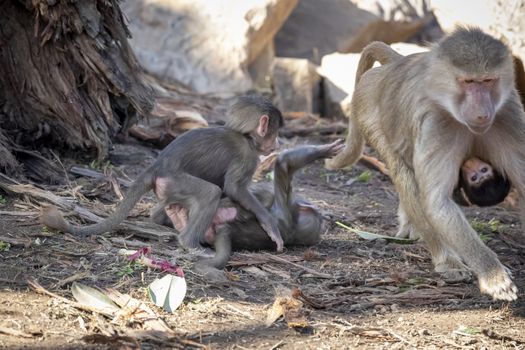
[68,76]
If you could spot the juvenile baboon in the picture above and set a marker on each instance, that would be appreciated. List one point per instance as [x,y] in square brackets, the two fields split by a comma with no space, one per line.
[197,167]
[426,114]
[300,222]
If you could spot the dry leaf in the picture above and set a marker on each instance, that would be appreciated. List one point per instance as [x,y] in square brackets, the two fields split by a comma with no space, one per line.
[94,298]
[168,292]
[369,236]
[291,309]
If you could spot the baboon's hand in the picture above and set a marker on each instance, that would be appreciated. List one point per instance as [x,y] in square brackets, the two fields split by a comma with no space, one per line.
[210,273]
[334,148]
[498,284]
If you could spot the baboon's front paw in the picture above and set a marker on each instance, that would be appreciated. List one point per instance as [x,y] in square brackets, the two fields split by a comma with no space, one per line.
[498,284]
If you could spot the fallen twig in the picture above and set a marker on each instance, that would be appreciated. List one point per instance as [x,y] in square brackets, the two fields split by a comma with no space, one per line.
[298,115]
[493,335]
[73,278]
[421,296]
[307,269]
[143,229]
[400,338]
[19,213]
[450,342]
[308,130]
[13,281]
[17,333]
[277,345]
[298,294]
[24,242]
[159,337]
[97,175]
[39,289]
[254,259]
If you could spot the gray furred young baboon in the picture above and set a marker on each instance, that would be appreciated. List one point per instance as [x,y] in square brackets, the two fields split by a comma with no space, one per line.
[300,222]
[195,170]
[426,114]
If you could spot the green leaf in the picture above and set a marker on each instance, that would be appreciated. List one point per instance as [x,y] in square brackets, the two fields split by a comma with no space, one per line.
[365,176]
[369,236]
[487,227]
[469,330]
[168,292]
[130,268]
[4,246]
[93,297]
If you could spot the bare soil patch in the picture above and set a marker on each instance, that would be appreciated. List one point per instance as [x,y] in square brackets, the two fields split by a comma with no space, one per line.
[376,295]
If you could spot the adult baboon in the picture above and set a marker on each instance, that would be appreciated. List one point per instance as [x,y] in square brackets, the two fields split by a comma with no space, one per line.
[426,114]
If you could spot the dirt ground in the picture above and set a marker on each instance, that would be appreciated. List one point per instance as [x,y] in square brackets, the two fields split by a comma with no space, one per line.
[357,294]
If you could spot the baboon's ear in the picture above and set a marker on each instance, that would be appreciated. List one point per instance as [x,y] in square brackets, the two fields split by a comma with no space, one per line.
[262,128]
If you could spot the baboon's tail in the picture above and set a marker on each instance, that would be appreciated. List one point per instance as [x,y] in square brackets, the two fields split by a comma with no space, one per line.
[355,142]
[52,218]
[375,51]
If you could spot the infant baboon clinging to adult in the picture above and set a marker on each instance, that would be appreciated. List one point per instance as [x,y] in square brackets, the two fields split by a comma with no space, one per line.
[480,184]
[426,114]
